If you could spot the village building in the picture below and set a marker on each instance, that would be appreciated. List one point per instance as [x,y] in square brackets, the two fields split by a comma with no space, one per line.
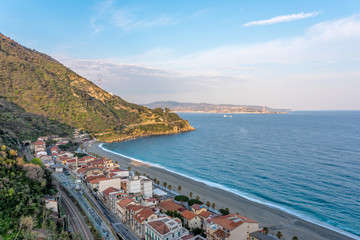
[230,227]
[165,228]
[170,206]
[191,220]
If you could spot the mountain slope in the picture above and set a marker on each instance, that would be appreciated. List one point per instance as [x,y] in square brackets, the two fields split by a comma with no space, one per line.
[42,86]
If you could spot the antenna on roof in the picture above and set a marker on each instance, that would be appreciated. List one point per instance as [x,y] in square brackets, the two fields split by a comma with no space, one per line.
[100,82]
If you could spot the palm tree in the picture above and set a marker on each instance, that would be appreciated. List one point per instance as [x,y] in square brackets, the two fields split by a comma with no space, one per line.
[266,230]
[197,198]
[155,180]
[279,235]
[165,184]
[158,182]
[191,195]
[208,204]
[169,187]
[213,205]
[179,188]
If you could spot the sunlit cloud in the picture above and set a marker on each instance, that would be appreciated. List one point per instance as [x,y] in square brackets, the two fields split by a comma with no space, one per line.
[283,18]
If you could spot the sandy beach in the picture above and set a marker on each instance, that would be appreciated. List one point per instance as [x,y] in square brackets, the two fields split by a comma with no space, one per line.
[288,224]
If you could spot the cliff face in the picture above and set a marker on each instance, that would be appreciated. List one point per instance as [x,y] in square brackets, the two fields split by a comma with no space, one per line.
[42,86]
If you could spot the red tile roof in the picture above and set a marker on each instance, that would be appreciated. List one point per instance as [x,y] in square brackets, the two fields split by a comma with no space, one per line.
[110,190]
[170,206]
[133,207]
[95,177]
[160,227]
[87,158]
[196,206]
[141,216]
[125,202]
[231,221]
[205,214]
[98,180]
[221,234]
[188,215]
[118,170]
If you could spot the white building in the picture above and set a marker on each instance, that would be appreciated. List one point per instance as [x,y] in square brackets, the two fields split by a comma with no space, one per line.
[164,229]
[141,185]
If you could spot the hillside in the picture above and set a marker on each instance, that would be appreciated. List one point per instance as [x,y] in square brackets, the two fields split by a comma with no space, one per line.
[42,86]
[17,124]
[213,108]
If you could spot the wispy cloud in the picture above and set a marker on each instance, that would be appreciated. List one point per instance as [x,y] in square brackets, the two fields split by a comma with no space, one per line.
[109,14]
[283,18]
[128,20]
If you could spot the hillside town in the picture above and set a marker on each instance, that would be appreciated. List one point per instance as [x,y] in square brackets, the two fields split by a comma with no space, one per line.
[138,202]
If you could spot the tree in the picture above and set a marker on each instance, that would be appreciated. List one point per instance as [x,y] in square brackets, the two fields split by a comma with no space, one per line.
[279,235]
[34,172]
[165,184]
[208,204]
[3,148]
[129,168]
[169,187]
[294,238]
[179,188]
[181,198]
[36,161]
[197,198]
[194,201]
[224,212]
[213,205]
[191,194]
[27,223]
[266,230]
[158,182]
[95,190]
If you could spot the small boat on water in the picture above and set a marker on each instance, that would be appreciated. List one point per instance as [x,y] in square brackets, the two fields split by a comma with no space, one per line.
[227,116]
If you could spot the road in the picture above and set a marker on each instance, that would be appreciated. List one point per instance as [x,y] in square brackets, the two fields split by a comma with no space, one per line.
[103,229]
[78,224]
[117,225]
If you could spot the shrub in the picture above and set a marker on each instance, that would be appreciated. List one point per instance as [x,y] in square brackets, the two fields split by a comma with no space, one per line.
[181,198]
[193,201]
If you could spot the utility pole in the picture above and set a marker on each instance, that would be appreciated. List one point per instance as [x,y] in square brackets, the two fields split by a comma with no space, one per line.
[100,82]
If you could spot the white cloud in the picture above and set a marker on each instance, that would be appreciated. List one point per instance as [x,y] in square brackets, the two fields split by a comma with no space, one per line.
[283,18]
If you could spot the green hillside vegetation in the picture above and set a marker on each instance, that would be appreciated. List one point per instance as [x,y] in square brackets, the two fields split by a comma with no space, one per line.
[23,187]
[43,86]
[17,124]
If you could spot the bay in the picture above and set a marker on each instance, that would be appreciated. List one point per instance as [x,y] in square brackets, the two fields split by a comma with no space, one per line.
[306,163]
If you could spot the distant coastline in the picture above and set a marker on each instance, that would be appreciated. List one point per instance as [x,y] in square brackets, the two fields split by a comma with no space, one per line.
[231,112]
[215,108]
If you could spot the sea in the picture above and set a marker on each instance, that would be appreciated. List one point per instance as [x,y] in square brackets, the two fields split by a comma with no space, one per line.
[305,162]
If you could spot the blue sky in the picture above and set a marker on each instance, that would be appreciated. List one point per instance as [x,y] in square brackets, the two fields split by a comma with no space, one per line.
[302,55]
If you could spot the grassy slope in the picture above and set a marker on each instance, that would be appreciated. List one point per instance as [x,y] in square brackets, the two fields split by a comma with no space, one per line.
[43,86]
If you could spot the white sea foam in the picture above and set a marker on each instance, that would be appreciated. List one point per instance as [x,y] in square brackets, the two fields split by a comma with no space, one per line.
[239,193]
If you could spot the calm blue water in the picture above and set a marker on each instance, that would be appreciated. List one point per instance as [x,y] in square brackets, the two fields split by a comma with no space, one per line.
[305,162]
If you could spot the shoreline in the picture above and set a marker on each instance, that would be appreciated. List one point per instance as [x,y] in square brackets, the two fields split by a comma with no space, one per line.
[267,216]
